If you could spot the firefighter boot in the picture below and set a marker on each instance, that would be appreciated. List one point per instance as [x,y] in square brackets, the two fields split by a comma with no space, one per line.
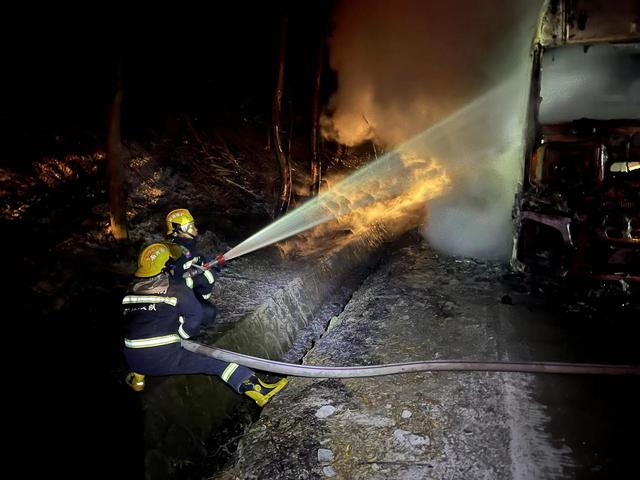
[260,391]
[135,381]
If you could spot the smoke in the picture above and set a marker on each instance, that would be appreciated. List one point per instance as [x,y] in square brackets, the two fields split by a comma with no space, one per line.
[420,71]
[608,75]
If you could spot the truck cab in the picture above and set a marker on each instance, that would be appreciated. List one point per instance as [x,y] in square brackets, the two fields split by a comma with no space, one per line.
[578,212]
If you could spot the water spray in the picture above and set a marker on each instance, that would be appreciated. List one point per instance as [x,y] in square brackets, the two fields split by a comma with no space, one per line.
[412,169]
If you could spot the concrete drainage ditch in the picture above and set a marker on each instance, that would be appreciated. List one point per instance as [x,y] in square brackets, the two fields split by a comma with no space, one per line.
[269,308]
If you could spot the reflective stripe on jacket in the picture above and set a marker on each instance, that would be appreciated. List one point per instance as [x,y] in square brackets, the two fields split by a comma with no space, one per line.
[149,299]
[151,342]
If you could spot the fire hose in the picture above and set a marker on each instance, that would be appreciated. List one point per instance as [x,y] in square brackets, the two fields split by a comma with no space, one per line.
[281,368]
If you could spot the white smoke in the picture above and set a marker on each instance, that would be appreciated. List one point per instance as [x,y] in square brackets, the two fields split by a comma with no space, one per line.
[406,66]
[608,75]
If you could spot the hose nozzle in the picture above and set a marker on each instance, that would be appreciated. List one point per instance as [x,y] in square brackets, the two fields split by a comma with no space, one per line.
[192,272]
[216,262]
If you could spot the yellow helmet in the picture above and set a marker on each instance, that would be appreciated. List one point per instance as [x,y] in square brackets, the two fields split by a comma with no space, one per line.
[180,217]
[152,260]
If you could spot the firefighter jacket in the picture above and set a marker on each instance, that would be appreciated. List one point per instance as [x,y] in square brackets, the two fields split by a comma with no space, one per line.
[186,255]
[160,311]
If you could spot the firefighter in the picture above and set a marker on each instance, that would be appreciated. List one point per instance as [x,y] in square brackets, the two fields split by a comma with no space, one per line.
[182,234]
[159,311]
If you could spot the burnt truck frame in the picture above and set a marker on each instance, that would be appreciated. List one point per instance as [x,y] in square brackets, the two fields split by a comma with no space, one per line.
[577,215]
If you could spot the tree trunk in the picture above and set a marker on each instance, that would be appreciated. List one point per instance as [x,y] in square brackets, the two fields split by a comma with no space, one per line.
[115,164]
[284,197]
[315,166]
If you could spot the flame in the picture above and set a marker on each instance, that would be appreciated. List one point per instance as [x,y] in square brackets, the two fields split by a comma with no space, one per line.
[375,207]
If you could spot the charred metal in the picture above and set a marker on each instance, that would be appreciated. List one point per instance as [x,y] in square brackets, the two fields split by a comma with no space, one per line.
[579,208]
[577,214]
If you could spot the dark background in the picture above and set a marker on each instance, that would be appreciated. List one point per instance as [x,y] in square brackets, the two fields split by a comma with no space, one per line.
[216,65]
[212,63]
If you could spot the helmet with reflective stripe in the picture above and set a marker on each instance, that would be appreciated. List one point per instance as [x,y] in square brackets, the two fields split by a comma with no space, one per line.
[152,260]
[178,219]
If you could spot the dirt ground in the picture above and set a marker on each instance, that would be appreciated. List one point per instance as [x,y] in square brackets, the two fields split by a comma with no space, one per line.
[424,305]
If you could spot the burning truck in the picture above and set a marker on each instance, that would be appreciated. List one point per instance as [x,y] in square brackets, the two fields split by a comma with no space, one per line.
[578,212]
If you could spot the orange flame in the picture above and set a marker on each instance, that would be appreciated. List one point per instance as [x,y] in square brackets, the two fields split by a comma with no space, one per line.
[377,208]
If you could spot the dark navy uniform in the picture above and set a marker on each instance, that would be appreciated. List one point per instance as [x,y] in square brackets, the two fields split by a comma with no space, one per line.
[159,312]
[186,255]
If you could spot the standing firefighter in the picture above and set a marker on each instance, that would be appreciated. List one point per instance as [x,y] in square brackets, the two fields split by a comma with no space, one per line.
[159,311]
[182,234]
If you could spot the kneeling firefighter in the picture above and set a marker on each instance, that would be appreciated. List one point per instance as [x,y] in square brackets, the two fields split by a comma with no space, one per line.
[189,262]
[159,311]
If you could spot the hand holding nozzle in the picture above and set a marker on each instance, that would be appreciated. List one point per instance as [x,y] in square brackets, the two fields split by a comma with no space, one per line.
[216,262]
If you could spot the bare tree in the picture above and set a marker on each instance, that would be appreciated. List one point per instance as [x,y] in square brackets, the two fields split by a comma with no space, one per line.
[315,164]
[284,198]
[115,163]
